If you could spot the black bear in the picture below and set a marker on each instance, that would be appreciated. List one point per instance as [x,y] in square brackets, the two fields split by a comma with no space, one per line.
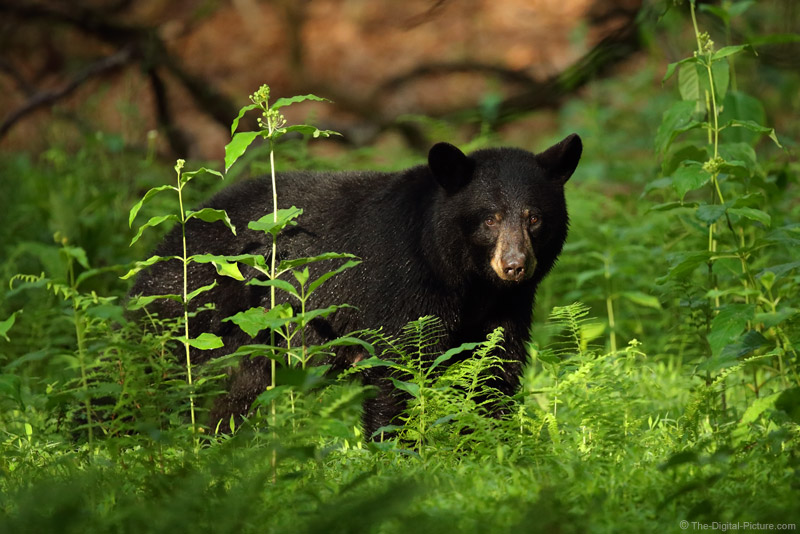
[464,238]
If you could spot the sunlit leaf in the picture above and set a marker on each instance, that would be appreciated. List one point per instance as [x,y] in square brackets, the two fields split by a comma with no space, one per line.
[237,146]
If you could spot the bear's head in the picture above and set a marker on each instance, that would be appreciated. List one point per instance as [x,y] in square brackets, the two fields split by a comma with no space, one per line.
[501,213]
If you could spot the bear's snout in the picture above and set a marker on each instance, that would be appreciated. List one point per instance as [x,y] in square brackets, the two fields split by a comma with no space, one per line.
[513,259]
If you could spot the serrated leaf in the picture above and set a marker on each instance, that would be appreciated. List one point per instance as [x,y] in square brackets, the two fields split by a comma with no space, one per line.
[688,263]
[242,111]
[728,325]
[689,178]
[211,215]
[154,221]
[710,213]
[281,102]
[147,196]
[268,224]
[689,82]
[753,214]
[237,146]
[677,119]
[205,341]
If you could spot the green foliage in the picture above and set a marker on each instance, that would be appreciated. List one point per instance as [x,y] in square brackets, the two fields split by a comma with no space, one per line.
[671,395]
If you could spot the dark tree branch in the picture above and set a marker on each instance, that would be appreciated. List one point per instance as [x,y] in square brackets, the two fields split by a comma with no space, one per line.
[46,98]
[141,44]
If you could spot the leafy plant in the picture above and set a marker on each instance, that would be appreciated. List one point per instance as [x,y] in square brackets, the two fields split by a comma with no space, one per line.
[739,250]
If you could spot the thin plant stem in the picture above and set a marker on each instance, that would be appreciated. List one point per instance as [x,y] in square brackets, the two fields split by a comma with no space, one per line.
[185,302]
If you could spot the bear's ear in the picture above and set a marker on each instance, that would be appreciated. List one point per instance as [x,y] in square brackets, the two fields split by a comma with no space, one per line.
[561,159]
[451,167]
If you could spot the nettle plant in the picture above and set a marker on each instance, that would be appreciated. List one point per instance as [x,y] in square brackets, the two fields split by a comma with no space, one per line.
[285,319]
[744,304]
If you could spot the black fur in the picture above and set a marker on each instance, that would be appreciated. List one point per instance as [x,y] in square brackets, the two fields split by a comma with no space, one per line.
[426,248]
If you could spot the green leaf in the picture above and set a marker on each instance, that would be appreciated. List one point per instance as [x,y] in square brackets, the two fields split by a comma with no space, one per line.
[721,73]
[689,82]
[256,261]
[758,407]
[689,178]
[672,66]
[211,215]
[740,106]
[281,102]
[237,146]
[186,176]
[11,387]
[642,299]
[6,325]
[270,395]
[255,320]
[310,315]
[306,129]
[710,213]
[669,206]
[409,387]
[753,214]
[242,111]
[464,347]
[147,196]
[154,221]
[299,262]
[267,224]
[728,51]
[283,285]
[200,290]
[727,325]
[755,127]
[205,341]
[77,254]
[221,263]
[677,119]
[139,302]
[139,265]
[322,279]
[687,263]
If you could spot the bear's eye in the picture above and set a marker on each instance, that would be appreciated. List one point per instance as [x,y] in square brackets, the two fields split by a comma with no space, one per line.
[490,221]
[534,220]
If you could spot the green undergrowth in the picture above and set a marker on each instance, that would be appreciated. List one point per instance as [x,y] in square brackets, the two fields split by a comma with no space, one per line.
[667,392]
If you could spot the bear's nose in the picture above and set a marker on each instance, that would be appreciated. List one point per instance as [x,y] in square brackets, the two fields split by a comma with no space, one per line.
[515,268]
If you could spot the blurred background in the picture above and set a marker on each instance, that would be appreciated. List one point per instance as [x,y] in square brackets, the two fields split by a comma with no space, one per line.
[99,97]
